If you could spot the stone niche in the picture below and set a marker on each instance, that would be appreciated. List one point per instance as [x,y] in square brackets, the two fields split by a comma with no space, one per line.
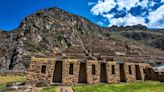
[51,71]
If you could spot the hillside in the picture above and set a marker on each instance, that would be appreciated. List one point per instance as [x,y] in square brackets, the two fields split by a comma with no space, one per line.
[54,32]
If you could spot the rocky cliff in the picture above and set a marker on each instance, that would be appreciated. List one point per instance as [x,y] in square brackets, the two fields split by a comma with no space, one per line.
[59,32]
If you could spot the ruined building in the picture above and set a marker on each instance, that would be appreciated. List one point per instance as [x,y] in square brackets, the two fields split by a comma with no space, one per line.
[111,62]
[56,71]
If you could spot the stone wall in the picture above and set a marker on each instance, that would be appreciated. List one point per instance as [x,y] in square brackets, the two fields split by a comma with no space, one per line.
[143,66]
[34,75]
[113,78]
[76,71]
[93,78]
[130,75]
[70,79]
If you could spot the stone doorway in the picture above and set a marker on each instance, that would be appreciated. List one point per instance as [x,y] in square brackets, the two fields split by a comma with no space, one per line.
[103,73]
[122,73]
[57,76]
[82,73]
[138,73]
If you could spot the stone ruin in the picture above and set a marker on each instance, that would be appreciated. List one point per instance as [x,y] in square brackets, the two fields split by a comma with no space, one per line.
[94,61]
[93,64]
[53,71]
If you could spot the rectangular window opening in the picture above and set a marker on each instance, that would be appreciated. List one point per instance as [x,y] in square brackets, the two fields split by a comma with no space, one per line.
[43,69]
[71,68]
[149,71]
[130,70]
[113,69]
[93,70]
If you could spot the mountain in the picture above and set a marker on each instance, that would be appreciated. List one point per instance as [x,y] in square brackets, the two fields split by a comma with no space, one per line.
[153,38]
[54,32]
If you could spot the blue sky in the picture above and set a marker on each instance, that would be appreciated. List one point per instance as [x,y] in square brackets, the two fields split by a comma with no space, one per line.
[102,12]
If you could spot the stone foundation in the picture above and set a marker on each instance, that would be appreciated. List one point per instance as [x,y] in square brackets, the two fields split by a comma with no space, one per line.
[72,72]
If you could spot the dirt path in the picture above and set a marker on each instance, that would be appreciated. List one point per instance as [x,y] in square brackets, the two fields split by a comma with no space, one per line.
[64,89]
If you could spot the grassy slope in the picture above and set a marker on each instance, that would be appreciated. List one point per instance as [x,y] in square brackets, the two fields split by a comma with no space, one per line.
[119,37]
[8,79]
[127,87]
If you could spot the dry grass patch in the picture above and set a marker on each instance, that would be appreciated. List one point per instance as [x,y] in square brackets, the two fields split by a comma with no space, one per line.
[9,79]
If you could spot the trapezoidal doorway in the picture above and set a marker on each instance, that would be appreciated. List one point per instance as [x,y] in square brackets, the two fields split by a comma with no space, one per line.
[103,73]
[122,73]
[138,73]
[57,76]
[82,73]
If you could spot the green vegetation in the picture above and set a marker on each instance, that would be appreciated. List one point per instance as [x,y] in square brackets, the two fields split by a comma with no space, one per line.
[148,86]
[119,37]
[9,79]
[2,86]
[49,89]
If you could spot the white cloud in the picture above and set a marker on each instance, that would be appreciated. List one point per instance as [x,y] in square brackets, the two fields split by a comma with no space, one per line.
[152,3]
[103,7]
[156,17]
[128,20]
[143,4]
[100,23]
[143,14]
[127,4]
[91,3]
[108,16]
[162,1]
[133,20]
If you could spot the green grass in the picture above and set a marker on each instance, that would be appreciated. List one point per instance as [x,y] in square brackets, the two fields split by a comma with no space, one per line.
[9,79]
[148,86]
[49,89]
[2,86]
